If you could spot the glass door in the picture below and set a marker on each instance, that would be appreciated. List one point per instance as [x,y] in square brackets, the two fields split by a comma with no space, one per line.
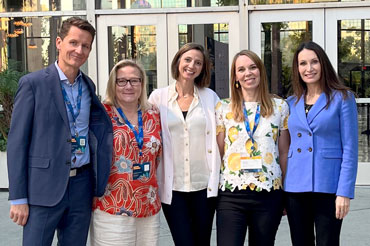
[348,44]
[217,32]
[155,39]
[275,35]
[139,37]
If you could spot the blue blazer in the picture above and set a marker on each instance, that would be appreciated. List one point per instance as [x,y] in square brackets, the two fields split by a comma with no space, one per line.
[324,146]
[39,146]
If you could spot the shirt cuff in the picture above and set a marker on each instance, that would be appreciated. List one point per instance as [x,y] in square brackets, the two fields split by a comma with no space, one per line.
[19,201]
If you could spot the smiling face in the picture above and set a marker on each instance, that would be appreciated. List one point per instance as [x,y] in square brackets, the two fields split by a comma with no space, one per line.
[128,94]
[190,65]
[74,49]
[247,73]
[309,67]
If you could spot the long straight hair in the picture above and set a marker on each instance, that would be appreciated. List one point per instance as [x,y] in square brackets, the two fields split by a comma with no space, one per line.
[329,80]
[264,96]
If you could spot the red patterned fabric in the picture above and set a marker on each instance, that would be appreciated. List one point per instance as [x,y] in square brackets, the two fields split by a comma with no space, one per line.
[123,195]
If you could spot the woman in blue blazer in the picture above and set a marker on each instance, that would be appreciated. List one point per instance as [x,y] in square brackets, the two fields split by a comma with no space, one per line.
[322,159]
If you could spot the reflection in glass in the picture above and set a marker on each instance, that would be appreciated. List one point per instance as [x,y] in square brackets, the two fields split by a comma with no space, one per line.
[354,70]
[279,42]
[140,4]
[41,5]
[135,42]
[354,55]
[30,40]
[215,39]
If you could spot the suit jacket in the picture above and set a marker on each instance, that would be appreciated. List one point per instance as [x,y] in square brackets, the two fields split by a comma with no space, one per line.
[324,146]
[39,143]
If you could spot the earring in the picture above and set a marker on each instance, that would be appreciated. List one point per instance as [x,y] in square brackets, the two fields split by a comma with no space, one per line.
[237,84]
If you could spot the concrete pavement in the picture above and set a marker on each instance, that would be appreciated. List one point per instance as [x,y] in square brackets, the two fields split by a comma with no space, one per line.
[355,229]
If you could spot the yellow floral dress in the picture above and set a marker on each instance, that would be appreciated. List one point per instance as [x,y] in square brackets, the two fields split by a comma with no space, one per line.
[237,141]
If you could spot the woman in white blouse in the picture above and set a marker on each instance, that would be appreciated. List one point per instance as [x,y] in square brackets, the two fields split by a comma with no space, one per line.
[254,142]
[188,175]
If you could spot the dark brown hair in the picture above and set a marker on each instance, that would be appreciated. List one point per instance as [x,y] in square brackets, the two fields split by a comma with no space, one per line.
[204,78]
[264,96]
[329,80]
[77,22]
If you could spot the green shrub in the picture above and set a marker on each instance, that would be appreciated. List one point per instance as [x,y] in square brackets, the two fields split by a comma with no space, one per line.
[8,87]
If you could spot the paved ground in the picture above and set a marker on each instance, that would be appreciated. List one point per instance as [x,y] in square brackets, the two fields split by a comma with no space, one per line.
[355,232]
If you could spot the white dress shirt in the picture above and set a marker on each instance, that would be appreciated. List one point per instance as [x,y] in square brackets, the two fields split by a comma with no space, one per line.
[188,144]
[165,171]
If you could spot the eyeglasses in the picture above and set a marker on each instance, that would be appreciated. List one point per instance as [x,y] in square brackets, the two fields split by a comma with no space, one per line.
[123,82]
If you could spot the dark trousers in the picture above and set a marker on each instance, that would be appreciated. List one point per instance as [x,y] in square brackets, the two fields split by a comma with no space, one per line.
[190,217]
[70,217]
[259,212]
[313,211]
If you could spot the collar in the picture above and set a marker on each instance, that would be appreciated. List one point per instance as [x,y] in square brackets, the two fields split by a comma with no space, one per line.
[172,93]
[64,78]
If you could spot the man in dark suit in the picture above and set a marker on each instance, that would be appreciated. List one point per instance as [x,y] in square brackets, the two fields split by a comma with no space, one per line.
[59,145]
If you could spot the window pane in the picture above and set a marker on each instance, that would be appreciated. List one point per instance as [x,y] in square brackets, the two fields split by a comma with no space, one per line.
[135,42]
[354,70]
[137,4]
[30,41]
[215,38]
[41,5]
[279,42]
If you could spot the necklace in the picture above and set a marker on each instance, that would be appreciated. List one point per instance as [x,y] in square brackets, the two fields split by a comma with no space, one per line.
[307,107]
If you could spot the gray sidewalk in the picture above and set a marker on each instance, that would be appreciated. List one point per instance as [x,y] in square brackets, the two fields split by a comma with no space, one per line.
[355,230]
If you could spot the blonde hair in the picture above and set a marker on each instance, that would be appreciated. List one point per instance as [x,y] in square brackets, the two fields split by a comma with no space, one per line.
[264,96]
[111,87]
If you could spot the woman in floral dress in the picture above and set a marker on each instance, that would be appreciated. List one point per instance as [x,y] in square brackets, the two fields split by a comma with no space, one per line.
[128,212]
[253,140]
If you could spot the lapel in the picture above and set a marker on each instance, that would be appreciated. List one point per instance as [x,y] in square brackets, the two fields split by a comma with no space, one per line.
[56,92]
[91,87]
[299,107]
[317,108]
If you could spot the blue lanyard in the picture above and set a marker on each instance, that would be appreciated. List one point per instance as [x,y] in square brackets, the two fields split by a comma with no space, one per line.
[139,135]
[256,121]
[69,105]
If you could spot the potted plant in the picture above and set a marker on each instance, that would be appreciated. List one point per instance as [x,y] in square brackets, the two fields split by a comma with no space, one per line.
[8,86]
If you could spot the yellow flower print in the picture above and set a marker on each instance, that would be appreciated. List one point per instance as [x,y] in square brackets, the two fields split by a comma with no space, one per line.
[229,115]
[275,131]
[262,178]
[233,162]
[218,105]
[277,184]
[219,129]
[252,186]
[268,158]
[233,134]
[244,187]
[249,145]
[285,123]
[280,109]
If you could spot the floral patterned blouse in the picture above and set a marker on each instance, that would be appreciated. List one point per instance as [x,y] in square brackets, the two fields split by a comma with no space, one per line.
[237,141]
[132,188]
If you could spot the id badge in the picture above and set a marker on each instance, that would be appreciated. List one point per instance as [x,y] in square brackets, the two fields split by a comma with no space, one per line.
[251,164]
[78,144]
[141,171]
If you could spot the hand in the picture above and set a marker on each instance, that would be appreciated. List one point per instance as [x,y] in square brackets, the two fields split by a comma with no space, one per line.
[19,213]
[341,207]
